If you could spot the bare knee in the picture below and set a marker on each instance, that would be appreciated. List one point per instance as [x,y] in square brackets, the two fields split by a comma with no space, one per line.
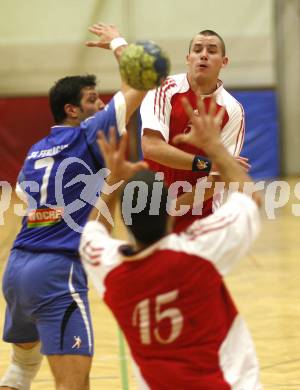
[71,372]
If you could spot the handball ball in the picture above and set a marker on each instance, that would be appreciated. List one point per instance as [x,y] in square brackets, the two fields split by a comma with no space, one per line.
[144,65]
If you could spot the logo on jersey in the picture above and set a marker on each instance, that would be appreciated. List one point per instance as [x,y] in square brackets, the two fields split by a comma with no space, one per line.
[47,152]
[44,217]
[77,343]
[201,165]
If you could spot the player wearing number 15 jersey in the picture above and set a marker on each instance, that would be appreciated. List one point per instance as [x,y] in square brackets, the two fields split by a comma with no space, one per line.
[182,327]
[44,283]
[167,290]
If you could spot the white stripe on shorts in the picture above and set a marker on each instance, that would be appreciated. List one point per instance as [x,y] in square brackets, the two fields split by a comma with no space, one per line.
[80,304]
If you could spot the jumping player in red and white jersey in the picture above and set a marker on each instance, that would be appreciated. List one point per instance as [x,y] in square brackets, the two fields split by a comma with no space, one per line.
[163,118]
[167,290]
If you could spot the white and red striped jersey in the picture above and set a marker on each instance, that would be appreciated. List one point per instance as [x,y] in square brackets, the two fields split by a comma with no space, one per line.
[170,300]
[162,111]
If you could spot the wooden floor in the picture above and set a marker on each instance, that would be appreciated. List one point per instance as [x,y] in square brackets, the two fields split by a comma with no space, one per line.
[265,286]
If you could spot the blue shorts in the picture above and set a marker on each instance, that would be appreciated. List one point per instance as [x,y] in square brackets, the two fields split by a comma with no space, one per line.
[46,295]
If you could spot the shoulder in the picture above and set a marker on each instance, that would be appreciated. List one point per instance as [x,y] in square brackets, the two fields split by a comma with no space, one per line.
[225,236]
[233,218]
[97,247]
[172,85]
[175,83]
[159,97]
[40,145]
[233,106]
[158,102]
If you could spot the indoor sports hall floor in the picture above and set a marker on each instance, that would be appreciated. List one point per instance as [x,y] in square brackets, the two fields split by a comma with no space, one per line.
[265,286]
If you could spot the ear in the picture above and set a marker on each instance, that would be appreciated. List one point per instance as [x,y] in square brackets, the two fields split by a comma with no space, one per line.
[225,62]
[187,59]
[71,110]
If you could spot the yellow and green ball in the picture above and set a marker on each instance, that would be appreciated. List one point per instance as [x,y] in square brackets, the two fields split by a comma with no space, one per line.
[144,65]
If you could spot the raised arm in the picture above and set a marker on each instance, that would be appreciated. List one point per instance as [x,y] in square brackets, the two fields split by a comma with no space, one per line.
[121,169]
[205,133]
[111,39]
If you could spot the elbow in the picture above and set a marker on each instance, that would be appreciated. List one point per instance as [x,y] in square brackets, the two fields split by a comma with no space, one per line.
[152,145]
[149,147]
[146,148]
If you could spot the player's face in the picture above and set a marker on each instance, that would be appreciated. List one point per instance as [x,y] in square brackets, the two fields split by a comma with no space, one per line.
[90,103]
[205,59]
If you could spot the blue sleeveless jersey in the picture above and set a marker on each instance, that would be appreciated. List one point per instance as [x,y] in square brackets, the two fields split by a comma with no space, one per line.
[62,177]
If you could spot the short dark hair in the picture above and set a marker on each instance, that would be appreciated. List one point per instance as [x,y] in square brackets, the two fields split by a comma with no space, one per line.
[68,90]
[147,226]
[209,33]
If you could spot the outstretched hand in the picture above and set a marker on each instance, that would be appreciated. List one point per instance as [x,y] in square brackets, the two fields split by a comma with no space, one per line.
[114,154]
[205,129]
[105,32]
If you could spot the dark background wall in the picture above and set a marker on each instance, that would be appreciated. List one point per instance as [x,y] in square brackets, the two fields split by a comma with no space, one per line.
[24,120]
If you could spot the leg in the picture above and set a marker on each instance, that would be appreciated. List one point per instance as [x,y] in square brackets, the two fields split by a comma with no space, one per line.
[25,363]
[64,326]
[71,372]
[19,329]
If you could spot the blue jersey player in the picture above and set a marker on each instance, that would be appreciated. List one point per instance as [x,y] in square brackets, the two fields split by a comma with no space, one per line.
[44,284]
